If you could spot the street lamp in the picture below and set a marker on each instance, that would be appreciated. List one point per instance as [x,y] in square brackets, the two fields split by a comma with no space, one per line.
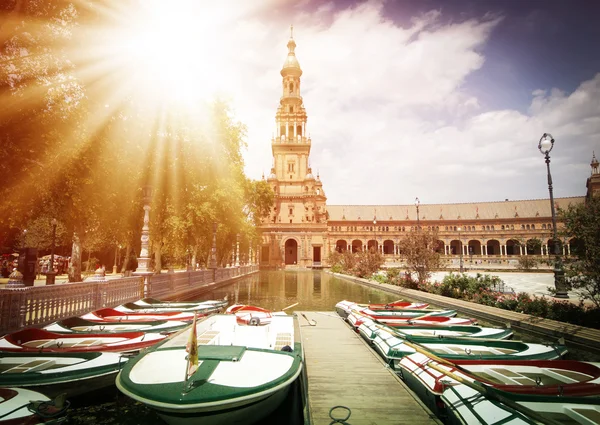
[375,234]
[460,263]
[51,274]
[417,202]
[213,250]
[545,146]
[116,254]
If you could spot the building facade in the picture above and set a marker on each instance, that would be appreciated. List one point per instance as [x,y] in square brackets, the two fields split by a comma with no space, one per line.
[302,229]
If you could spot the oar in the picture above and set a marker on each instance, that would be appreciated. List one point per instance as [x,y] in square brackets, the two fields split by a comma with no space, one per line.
[495,395]
[289,306]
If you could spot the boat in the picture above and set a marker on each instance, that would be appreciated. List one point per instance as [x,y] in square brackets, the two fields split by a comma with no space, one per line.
[244,372]
[391,316]
[249,314]
[79,325]
[56,373]
[152,305]
[355,319]
[20,406]
[394,347]
[468,406]
[112,315]
[367,329]
[428,377]
[34,340]
[343,308]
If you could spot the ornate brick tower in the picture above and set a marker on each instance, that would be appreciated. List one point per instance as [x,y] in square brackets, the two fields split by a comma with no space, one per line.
[593,181]
[294,232]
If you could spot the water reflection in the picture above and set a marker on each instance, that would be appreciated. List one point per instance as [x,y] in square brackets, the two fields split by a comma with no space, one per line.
[312,290]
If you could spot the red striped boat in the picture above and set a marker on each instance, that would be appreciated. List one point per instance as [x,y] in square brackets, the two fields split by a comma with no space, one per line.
[112,315]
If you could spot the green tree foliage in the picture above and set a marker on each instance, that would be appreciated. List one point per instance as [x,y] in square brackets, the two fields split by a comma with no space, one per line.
[582,270]
[419,248]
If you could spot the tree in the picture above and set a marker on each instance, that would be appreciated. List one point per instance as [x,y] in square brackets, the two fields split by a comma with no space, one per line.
[582,270]
[419,249]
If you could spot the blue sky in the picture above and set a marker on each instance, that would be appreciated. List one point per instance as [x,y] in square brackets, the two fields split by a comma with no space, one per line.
[441,99]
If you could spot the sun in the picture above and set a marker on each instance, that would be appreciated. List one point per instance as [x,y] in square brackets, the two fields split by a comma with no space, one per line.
[168,51]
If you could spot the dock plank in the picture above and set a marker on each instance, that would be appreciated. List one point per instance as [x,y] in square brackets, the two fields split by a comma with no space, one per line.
[343,370]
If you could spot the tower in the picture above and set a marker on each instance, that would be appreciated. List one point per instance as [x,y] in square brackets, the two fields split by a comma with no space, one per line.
[593,181]
[293,233]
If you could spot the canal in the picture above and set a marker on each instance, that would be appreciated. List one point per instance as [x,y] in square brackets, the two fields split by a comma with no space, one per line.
[273,290]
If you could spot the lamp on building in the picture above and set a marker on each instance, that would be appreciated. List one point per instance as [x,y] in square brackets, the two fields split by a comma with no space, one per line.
[51,274]
[417,202]
[460,246]
[545,146]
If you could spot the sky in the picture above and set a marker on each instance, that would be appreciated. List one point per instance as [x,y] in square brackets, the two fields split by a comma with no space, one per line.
[444,100]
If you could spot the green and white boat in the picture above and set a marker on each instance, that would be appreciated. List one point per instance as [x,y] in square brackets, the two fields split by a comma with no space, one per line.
[466,406]
[393,348]
[368,329]
[56,373]
[244,371]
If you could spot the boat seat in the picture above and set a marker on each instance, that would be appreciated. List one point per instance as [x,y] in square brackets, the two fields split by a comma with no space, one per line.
[32,366]
[209,337]
[282,339]
[38,343]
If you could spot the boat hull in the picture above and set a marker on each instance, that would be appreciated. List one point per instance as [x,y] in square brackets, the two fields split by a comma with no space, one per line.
[233,414]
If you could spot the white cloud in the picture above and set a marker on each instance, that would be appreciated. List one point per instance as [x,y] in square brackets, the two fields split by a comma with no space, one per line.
[390,116]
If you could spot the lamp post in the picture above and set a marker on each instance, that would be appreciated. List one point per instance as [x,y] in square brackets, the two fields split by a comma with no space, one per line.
[144,268]
[417,202]
[375,233]
[51,274]
[237,250]
[460,263]
[116,253]
[545,146]
[213,250]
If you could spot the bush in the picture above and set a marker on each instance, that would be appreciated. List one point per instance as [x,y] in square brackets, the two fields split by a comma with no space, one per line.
[527,263]
[507,302]
[381,278]
[337,268]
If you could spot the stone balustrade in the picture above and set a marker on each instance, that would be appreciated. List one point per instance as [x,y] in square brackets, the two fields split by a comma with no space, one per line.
[39,305]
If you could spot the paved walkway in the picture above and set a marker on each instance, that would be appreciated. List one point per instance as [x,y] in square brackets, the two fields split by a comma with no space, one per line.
[532,283]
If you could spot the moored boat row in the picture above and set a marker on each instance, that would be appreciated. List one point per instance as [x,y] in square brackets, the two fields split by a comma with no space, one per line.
[472,375]
[80,354]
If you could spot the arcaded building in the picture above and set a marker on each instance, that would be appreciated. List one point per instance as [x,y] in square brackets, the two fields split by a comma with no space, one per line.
[302,229]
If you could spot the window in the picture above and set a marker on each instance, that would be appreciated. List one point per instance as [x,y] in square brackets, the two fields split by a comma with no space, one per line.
[502,227]
[533,227]
[291,167]
[290,109]
[291,211]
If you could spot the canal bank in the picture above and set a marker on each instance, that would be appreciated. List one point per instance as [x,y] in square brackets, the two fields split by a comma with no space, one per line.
[578,336]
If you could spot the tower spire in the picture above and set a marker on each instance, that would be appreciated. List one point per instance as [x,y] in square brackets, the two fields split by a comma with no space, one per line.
[292,31]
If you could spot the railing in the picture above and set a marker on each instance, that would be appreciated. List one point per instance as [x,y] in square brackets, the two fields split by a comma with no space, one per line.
[39,305]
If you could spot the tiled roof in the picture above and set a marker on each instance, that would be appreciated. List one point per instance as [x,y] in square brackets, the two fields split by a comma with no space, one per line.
[471,211]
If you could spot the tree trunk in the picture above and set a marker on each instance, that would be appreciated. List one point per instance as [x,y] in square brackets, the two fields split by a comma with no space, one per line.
[194,258]
[87,267]
[158,258]
[127,259]
[75,264]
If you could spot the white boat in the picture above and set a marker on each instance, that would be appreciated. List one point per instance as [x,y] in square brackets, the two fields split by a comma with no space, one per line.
[344,307]
[56,373]
[467,406]
[79,325]
[21,406]
[244,372]
[393,348]
[152,305]
[355,318]
[368,328]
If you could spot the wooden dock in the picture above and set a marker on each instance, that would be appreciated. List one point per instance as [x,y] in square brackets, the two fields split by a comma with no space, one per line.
[344,371]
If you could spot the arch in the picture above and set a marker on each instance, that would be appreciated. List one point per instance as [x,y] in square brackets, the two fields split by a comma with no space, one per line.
[512,247]
[299,130]
[493,247]
[534,246]
[291,251]
[372,245]
[388,247]
[576,246]
[455,247]
[341,245]
[551,247]
[440,247]
[474,247]
[356,245]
